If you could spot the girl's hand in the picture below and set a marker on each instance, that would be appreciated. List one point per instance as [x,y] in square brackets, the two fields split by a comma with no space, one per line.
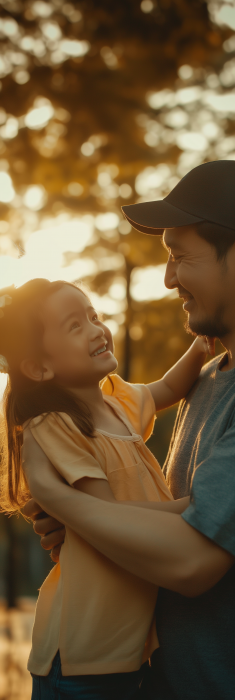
[205,344]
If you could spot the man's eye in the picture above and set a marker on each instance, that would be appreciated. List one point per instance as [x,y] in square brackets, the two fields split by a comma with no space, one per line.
[175,258]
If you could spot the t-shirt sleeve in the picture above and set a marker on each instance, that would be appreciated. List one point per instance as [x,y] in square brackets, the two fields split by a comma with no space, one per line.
[136,401]
[70,452]
[212,506]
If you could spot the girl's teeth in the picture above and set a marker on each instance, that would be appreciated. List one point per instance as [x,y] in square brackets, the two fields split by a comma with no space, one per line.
[99,351]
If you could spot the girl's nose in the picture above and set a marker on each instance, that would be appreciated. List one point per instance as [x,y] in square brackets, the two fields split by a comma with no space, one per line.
[170,279]
[96,332]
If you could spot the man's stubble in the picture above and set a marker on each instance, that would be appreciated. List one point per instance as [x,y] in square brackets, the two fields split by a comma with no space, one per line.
[213,327]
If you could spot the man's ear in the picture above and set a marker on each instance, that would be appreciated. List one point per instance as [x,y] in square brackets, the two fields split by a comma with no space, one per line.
[35,371]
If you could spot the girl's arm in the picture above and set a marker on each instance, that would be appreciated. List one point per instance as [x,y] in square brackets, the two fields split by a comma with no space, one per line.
[178,381]
[101,489]
[38,477]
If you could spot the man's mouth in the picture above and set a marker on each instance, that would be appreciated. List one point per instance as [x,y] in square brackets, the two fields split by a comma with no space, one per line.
[187,298]
[187,304]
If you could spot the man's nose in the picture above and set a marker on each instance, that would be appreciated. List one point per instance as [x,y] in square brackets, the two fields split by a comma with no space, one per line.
[170,279]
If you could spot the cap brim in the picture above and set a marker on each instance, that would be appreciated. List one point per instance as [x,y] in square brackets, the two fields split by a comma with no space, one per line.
[154,217]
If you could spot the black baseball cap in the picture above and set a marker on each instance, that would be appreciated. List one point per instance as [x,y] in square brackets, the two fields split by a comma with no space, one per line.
[206,193]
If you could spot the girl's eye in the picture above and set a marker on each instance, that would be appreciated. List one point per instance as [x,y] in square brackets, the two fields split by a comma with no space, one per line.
[95,317]
[75,324]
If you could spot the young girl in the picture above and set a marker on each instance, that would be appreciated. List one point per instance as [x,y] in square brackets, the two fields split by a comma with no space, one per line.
[94,623]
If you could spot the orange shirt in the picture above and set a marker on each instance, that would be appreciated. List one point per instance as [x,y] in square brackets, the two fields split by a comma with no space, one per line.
[99,616]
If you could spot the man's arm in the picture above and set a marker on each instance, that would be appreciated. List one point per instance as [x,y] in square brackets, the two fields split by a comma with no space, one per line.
[52,532]
[157,546]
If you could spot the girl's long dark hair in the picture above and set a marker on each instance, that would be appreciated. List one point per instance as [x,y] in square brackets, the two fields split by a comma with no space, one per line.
[21,331]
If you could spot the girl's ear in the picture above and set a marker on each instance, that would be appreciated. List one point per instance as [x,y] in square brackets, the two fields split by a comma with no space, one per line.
[35,371]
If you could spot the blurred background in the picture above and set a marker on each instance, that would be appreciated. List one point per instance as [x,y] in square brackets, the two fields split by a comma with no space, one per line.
[101,103]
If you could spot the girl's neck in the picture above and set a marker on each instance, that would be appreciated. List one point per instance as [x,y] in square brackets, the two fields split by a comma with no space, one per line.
[104,417]
[92,397]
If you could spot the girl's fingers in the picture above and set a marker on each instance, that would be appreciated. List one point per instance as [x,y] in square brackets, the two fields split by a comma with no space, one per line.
[44,526]
[210,345]
[32,509]
[53,539]
[55,553]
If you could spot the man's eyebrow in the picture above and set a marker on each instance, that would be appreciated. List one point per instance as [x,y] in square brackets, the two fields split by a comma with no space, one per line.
[172,245]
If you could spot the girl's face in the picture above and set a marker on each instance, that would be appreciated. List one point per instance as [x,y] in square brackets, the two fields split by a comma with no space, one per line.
[77,345]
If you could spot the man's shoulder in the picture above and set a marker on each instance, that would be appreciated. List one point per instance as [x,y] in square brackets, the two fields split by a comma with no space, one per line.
[203,385]
[210,368]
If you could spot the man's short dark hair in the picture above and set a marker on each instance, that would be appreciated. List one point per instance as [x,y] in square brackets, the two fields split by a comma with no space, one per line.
[221,237]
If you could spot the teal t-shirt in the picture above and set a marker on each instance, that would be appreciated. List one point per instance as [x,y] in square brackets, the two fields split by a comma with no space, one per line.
[197,635]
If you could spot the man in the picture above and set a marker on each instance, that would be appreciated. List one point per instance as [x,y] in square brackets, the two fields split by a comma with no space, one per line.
[191,556]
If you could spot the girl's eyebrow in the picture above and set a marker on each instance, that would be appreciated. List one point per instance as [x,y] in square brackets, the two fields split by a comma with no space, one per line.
[72,314]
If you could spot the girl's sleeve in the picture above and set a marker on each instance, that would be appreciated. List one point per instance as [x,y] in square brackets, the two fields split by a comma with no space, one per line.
[70,452]
[137,402]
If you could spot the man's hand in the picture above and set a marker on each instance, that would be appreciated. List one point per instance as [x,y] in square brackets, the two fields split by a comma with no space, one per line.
[51,531]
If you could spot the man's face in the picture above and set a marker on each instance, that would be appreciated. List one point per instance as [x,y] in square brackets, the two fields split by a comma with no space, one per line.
[207,285]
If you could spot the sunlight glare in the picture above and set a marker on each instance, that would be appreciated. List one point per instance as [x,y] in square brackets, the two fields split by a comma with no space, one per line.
[220,103]
[21,77]
[51,31]
[151,178]
[185,72]
[44,255]
[39,117]
[160,99]
[35,197]
[74,47]
[87,149]
[117,290]
[192,141]
[112,325]
[224,15]
[9,27]
[42,9]
[107,221]
[148,283]
[146,6]
[7,191]
[104,304]
[10,128]
[188,94]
